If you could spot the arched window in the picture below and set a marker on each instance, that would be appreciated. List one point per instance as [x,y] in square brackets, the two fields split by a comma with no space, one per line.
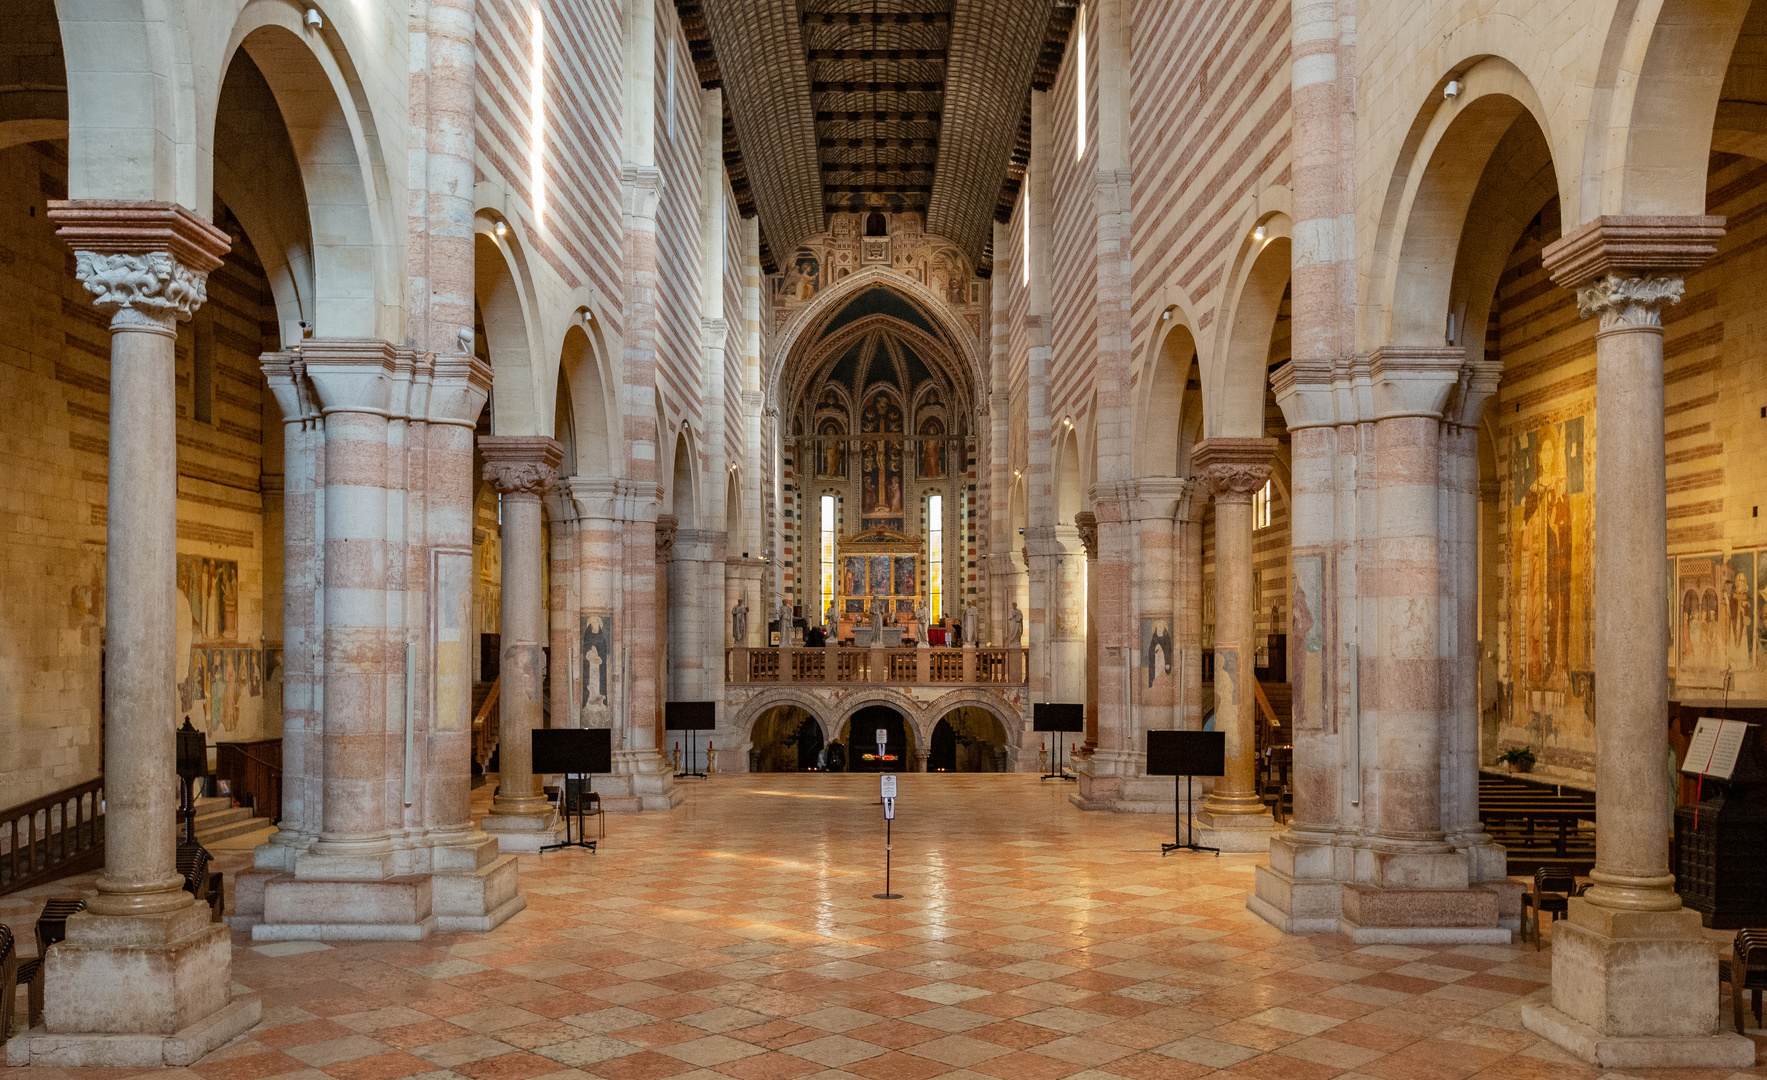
[827,552]
[1080,84]
[935,557]
[876,224]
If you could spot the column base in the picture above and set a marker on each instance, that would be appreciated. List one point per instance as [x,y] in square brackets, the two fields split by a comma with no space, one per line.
[523,832]
[309,909]
[1295,906]
[1725,1050]
[642,780]
[478,900]
[137,974]
[1376,916]
[1234,832]
[1636,988]
[36,1046]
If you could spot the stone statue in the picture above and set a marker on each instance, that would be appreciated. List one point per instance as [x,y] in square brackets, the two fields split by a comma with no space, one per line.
[1015,625]
[739,622]
[828,618]
[920,624]
[876,625]
[970,618]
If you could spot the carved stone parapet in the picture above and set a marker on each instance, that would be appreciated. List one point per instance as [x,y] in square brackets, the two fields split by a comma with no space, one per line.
[145,263]
[1233,469]
[666,527]
[1412,380]
[1087,524]
[521,465]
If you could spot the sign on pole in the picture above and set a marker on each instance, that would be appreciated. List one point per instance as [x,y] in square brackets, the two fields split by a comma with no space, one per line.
[889,785]
[889,809]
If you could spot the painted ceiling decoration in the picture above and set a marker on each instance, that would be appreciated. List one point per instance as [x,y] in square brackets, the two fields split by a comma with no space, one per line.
[896,105]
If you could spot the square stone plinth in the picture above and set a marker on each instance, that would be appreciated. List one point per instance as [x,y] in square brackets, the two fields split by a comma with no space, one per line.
[1234,832]
[309,909]
[1723,1050]
[523,832]
[478,900]
[151,975]
[1623,981]
[1376,916]
[183,1047]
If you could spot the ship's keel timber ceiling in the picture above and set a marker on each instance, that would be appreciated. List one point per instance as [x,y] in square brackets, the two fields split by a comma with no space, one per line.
[859,105]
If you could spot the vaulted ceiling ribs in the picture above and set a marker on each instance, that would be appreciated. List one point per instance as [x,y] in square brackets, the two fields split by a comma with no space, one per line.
[877,81]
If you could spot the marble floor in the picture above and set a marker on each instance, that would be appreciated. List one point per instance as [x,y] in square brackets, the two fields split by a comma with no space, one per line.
[738,938]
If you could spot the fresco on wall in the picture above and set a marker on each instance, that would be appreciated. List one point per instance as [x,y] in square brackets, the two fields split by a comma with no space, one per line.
[596,633]
[1715,620]
[881,462]
[906,577]
[1550,526]
[932,450]
[219,671]
[832,461]
[1306,657]
[1156,649]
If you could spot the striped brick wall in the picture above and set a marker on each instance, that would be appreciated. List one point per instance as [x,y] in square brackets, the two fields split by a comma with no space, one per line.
[1074,237]
[679,307]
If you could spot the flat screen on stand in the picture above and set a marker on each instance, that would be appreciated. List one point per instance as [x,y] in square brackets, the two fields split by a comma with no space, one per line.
[1058,716]
[689,715]
[1186,753]
[575,751]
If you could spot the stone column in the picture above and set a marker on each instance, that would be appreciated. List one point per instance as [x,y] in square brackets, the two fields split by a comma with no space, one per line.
[1187,622]
[1087,524]
[1632,978]
[143,959]
[1233,818]
[598,571]
[564,552]
[521,468]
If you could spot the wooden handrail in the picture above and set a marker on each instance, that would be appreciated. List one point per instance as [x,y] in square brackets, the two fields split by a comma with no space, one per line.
[490,701]
[71,845]
[266,764]
[1264,704]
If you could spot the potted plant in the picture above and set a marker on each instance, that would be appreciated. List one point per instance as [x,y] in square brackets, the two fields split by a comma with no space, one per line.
[1518,758]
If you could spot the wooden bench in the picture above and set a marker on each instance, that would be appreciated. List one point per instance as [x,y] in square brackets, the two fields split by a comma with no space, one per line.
[51,929]
[199,881]
[1542,825]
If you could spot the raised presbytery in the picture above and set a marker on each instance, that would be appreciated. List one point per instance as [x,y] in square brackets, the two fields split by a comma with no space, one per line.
[1033,402]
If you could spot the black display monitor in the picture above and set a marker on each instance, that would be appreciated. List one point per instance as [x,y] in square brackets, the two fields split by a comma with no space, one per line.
[576,751]
[1186,753]
[690,715]
[1058,716]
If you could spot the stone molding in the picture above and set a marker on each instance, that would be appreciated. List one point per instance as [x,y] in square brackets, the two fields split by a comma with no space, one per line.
[1478,384]
[1233,469]
[146,264]
[462,385]
[1087,524]
[1412,380]
[642,187]
[666,527]
[521,465]
[1632,245]
[353,374]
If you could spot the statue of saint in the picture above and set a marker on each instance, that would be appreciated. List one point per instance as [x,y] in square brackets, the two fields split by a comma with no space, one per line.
[1015,625]
[739,622]
[970,618]
[920,624]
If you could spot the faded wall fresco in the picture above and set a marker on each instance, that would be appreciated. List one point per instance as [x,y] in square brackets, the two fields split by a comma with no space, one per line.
[222,678]
[929,260]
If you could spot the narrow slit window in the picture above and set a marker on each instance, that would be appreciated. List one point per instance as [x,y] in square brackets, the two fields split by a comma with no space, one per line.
[935,557]
[827,551]
[1261,507]
[1080,85]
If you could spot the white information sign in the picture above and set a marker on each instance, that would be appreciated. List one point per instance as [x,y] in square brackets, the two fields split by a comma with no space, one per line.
[1714,748]
[889,809]
[889,785]
[883,738]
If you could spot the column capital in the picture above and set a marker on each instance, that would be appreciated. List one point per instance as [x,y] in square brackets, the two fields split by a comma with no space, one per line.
[595,496]
[1233,469]
[666,527]
[1087,523]
[1477,384]
[1156,497]
[351,374]
[1305,394]
[1627,268]
[146,264]
[462,384]
[713,332]
[1414,380]
[521,464]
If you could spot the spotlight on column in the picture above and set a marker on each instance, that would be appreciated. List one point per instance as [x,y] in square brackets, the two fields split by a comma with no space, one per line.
[502,229]
[1452,90]
[1258,234]
[315,20]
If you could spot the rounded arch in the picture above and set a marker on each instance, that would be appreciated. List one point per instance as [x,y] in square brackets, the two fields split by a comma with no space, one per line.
[1446,154]
[1660,80]
[733,507]
[1069,494]
[1008,717]
[1162,400]
[583,377]
[682,496]
[912,714]
[1233,387]
[743,721]
[351,232]
[832,299]
[130,51]
[503,292]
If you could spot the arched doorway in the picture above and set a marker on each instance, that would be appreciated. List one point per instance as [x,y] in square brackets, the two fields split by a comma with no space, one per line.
[786,738]
[860,737]
[967,739]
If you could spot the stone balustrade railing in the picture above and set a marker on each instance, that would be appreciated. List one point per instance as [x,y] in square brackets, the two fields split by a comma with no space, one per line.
[899,667]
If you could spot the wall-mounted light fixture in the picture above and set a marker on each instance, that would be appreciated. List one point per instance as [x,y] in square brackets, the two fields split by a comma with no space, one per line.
[1165,314]
[1452,90]
[315,20]
[1258,234]
[502,229]
[1067,421]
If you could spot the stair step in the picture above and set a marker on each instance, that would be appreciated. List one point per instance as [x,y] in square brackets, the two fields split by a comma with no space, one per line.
[223,817]
[231,828]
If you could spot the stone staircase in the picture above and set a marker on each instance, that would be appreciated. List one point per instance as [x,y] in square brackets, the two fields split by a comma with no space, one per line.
[218,819]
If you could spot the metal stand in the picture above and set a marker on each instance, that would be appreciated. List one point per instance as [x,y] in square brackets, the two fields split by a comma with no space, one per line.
[691,760]
[887,894]
[564,801]
[1179,806]
[1060,772]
